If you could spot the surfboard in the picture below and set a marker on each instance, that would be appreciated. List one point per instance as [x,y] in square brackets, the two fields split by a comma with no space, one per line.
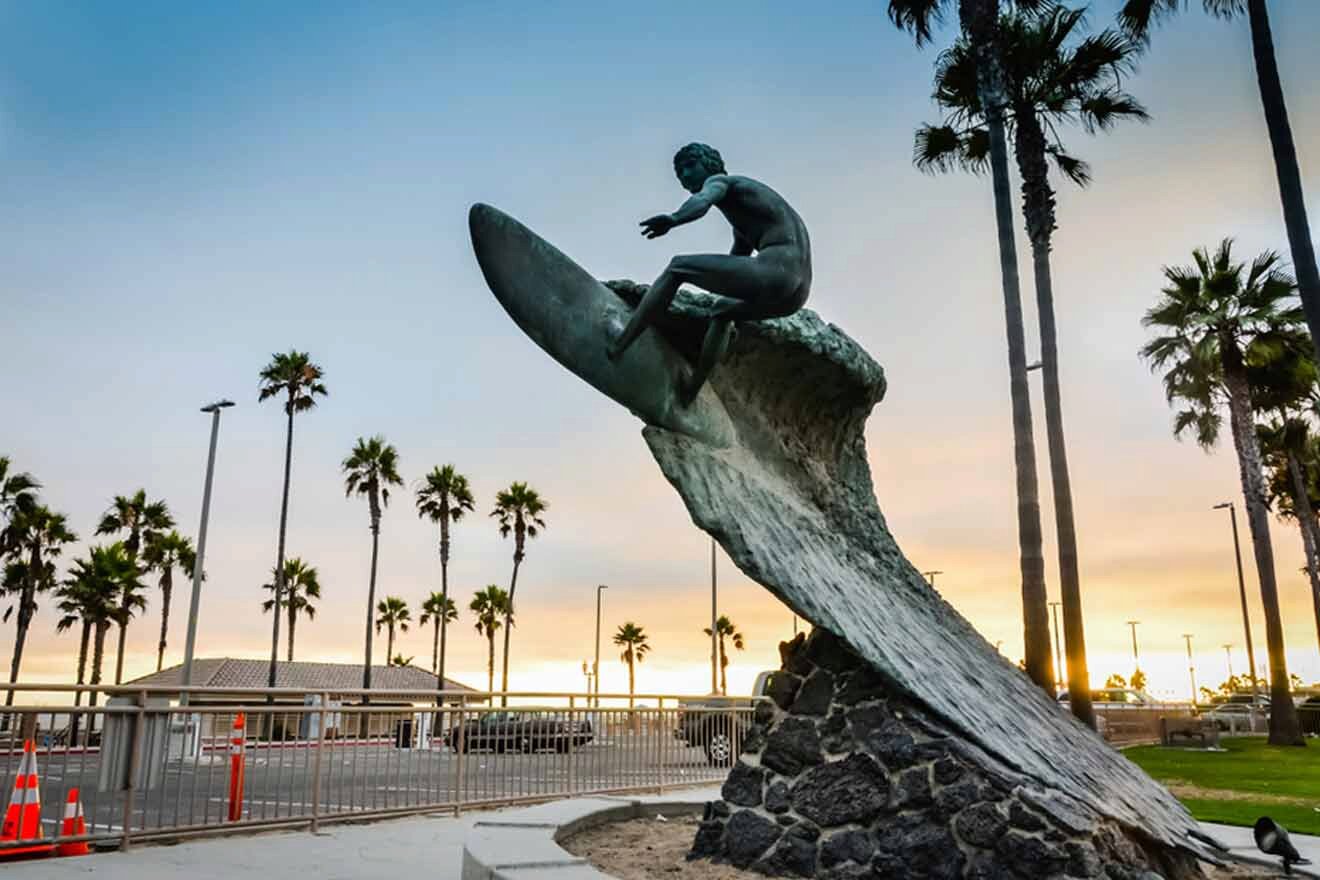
[572,316]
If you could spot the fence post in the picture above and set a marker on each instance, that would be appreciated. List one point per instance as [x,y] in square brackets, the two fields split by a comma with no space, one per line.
[658,731]
[237,742]
[459,746]
[135,745]
[572,743]
[316,766]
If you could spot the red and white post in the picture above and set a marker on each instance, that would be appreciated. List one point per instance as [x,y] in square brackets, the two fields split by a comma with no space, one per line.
[236,761]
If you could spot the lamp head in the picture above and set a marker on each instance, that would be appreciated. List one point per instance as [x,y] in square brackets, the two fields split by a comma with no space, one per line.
[217,406]
[1223,505]
[1272,839]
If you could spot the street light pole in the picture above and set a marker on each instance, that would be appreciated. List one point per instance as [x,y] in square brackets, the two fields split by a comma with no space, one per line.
[1242,592]
[714,631]
[930,576]
[1191,666]
[1228,652]
[1136,658]
[190,643]
[1058,657]
[595,667]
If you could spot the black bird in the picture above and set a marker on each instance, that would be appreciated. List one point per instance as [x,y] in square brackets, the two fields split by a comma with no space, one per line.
[1272,838]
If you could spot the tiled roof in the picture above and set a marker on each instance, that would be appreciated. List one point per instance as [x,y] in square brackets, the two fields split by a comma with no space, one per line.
[228,672]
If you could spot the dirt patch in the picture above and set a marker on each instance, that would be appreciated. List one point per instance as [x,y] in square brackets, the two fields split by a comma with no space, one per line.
[645,849]
[1183,789]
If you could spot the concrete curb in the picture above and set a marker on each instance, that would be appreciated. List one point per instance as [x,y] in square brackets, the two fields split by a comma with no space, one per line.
[523,845]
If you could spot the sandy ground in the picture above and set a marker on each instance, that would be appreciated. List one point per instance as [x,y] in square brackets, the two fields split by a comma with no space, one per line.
[643,849]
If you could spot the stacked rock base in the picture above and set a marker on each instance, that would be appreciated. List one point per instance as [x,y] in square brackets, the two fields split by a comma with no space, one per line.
[840,779]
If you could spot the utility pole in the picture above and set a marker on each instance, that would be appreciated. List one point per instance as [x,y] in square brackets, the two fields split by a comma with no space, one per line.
[1191,666]
[1242,592]
[1058,657]
[1228,652]
[190,643]
[930,576]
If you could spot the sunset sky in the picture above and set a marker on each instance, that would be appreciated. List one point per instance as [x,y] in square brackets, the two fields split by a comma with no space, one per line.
[189,188]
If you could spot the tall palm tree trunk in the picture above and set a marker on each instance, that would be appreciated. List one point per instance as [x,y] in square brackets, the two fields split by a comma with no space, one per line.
[631,680]
[435,653]
[724,665]
[83,643]
[25,603]
[490,661]
[1306,523]
[279,552]
[979,20]
[98,657]
[508,623]
[444,593]
[293,621]
[389,645]
[1285,165]
[119,651]
[371,602]
[1038,209]
[1284,727]
[166,588]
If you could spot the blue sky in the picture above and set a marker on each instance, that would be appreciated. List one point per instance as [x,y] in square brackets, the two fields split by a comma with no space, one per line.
[187,189]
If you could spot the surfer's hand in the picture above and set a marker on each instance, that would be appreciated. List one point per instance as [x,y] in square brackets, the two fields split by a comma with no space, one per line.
[654,227]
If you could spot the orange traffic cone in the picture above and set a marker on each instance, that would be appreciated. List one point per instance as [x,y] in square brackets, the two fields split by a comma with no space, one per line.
[23,818]
[74,826]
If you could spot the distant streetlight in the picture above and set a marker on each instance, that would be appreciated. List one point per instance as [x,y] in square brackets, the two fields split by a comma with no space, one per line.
[930,576]
[1242,592]
[1228,652]
[1058,657]
[714,631]
[190,642]
[1191,666]
[595,667]
[1136,658]
[586,672]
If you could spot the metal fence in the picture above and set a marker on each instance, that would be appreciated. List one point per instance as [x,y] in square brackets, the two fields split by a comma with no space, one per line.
[146,766]
[1125,725]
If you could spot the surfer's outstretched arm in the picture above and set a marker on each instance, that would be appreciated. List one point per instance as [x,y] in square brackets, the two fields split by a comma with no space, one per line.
[711,192]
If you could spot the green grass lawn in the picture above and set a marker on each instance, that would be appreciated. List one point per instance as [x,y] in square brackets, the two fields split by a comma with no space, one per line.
[1237,786]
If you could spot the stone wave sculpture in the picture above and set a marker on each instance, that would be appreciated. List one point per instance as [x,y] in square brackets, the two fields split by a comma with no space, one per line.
[771,460]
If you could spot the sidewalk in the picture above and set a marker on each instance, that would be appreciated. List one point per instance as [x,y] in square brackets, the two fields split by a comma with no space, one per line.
[430,846]
[1241,843]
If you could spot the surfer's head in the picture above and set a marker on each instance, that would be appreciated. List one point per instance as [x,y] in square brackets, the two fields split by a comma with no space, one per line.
[696,162]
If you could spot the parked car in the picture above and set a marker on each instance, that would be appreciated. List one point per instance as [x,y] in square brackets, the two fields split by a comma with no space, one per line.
[1228,715]
[1116,698]
[520,732]
[718,733]
[1308,713]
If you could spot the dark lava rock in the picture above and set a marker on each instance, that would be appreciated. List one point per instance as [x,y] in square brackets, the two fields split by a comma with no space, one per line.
[1031,856]
[948,770]
[861,685]
[883,736]
[852,790]
[927,851]
[1020,817]
[707,842]
[952,798]
[792,656]
[826,650]
[985,866]
[806,831]
[755,740]
[981,825]
[847,846]
[785,820]
[792,857]
[783,688]
[747,836]
[777,798]
[813,698]
[1083,861]
[848,871]
[913,789]
[764,712]
[743,787]
[792,747]
[717,810]
[834,733]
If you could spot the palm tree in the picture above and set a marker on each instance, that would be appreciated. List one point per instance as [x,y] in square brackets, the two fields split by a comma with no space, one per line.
[370,469]
[297,380]
[1219,317]
[1049,83]
[38,535]
[1137,16]
[979,20]
[163,554]
[440,609]
[18,491]
[400,660]
[144,521]
[726,628]
[392,612]
[519,510]
[302,584]
[113,581]
[489,606]
[79,603]
[444,497]
[632,639]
